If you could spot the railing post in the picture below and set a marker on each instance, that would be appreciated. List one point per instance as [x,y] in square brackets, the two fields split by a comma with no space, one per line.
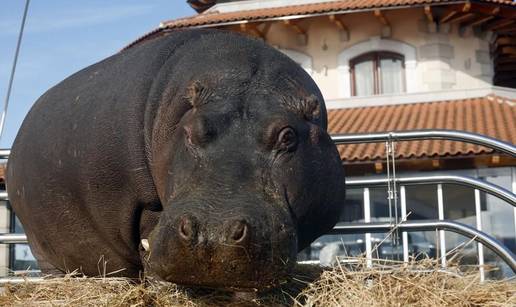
[404,234]
[478,213]
[367,219]
[440,208]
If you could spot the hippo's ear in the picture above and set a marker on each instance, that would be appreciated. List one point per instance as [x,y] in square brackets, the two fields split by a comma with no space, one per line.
[311,108]
[197,94]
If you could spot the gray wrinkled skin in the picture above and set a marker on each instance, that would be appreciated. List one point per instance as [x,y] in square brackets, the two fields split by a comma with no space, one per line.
[210,146]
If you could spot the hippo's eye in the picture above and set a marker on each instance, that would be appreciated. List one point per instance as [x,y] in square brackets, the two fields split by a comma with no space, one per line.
[287,139]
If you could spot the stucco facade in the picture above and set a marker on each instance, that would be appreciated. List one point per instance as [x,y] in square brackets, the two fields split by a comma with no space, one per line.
[436,58]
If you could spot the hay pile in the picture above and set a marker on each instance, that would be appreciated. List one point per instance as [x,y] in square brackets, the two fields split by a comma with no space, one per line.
[393,284]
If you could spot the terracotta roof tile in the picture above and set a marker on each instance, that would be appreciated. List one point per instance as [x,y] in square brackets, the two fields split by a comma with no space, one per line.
[210,17]
[493,116]
[213,18]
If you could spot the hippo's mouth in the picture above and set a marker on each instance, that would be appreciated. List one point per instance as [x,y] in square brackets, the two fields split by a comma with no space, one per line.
[233,268]
[243,252]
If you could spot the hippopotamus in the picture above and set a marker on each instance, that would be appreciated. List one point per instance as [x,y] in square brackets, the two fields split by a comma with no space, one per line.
[200,157]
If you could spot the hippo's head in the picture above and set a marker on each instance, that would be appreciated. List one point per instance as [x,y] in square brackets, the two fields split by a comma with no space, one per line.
[247,174]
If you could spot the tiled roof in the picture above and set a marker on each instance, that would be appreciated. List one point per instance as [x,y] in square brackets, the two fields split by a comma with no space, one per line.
[212,18]
[492,116]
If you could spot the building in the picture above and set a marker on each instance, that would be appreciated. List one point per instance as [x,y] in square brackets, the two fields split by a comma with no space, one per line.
[400,65]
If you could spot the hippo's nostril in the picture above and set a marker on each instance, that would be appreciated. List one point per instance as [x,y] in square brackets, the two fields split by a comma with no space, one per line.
[239,231]
[186,228]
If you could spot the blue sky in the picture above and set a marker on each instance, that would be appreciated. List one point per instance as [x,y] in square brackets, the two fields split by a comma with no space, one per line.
[61,37]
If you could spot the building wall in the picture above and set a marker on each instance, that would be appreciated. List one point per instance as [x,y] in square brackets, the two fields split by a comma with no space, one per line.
[444,58]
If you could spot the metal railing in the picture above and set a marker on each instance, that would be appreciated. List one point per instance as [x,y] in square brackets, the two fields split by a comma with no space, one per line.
[456,227]
[392,181]
[487,187]
[4,153]
[13,238]
[453,135]
[18,280]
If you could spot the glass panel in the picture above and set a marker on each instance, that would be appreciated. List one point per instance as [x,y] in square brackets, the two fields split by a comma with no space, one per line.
[23,258]
[422,244]
[18,227]
[421,203]
[497,215]
[496,268]
[459,205]
[328,247]
[391,75]
[354,208]
[380,205]
[384,245]
[364,78]
[498,221]
[21,255]
[462,252]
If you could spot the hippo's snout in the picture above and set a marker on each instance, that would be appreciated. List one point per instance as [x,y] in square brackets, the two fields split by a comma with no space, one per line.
[253,249]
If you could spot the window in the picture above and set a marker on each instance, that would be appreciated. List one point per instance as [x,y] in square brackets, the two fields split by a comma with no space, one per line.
[376,73]
[21,258]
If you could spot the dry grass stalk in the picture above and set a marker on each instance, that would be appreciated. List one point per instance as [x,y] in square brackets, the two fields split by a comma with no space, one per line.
[388,283]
